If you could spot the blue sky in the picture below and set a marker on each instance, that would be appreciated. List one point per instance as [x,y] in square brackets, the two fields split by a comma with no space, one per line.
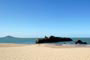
[37,18]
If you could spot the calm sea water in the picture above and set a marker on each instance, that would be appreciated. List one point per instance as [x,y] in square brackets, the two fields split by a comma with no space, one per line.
[18,40]
[33,40]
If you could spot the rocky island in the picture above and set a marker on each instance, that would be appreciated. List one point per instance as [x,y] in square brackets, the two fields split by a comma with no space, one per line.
[53,39]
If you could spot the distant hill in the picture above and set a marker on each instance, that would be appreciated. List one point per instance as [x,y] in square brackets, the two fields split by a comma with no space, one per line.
[8,37]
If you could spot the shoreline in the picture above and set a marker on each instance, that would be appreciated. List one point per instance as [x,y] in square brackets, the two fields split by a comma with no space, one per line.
[13,45]
[45,45]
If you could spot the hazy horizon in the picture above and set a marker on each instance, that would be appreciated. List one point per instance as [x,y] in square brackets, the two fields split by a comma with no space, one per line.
[39,18]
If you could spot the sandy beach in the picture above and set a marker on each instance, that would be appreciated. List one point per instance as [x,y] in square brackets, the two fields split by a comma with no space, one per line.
[42,52]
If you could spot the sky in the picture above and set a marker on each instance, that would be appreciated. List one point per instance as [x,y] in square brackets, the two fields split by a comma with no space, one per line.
[37,18]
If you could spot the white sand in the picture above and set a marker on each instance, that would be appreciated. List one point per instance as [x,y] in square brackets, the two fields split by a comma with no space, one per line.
[36,52]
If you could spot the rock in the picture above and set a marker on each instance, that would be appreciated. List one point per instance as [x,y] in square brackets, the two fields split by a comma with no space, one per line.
[80,42]
[53,39]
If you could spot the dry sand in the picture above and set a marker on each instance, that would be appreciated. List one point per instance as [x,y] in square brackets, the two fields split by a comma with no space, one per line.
[42,52]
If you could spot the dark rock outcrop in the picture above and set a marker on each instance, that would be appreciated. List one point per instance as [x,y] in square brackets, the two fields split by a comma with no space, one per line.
[52,39]
[80,42]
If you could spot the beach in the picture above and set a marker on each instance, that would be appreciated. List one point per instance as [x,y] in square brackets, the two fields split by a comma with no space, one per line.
[42,52]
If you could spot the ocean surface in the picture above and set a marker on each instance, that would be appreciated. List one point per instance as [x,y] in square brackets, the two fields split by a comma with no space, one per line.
[10,39]
[18,40]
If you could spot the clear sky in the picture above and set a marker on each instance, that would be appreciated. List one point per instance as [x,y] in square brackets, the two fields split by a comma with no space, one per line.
[37,18]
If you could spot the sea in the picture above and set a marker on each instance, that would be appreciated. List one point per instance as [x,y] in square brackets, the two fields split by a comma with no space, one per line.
[10,40]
